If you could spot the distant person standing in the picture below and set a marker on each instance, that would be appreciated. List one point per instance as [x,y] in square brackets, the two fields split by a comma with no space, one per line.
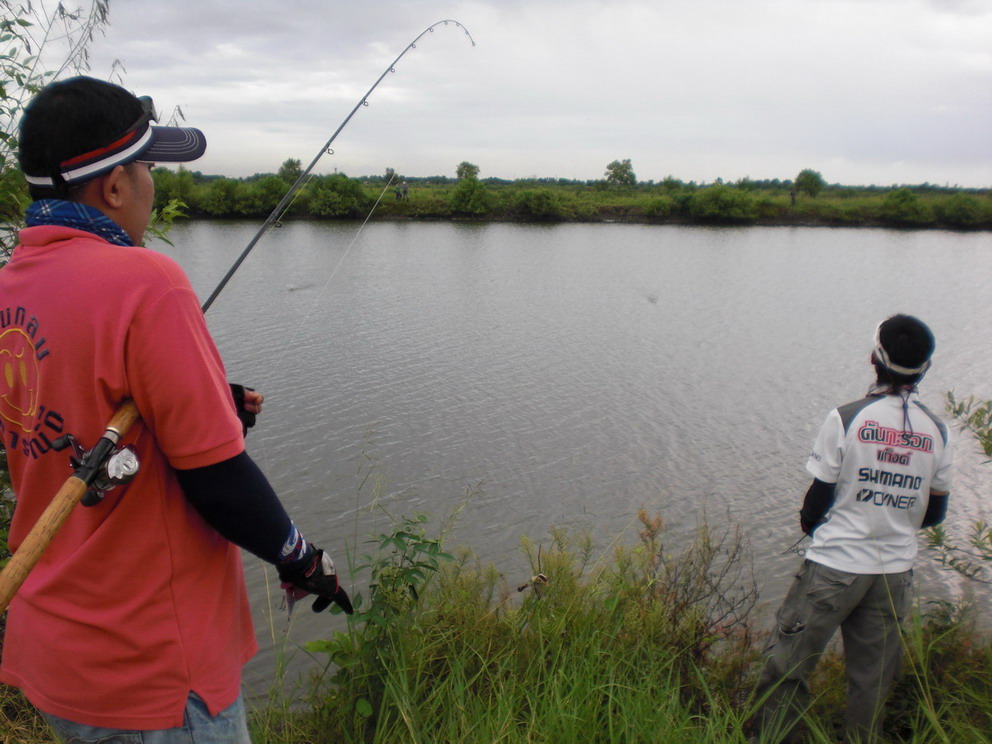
[881,468]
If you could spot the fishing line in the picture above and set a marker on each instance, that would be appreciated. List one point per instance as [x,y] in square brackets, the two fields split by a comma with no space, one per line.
[76,486]
[273,220]
[795,548]
[278,220]
[275,216]
[280,208]
[337,266]
[353,240]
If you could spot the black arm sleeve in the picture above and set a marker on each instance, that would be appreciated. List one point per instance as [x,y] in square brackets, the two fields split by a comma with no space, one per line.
[936,510]
[235,498]
[819,499]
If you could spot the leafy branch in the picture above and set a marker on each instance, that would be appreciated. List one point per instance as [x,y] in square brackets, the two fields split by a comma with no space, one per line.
[974,416]
[972,561]
[29,32]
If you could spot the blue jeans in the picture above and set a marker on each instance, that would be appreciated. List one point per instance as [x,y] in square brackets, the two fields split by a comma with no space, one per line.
[230,726]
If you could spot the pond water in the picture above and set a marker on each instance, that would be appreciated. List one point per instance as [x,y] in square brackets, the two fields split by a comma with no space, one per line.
[568,375]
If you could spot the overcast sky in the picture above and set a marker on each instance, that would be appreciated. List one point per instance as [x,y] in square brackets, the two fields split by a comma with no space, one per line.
[864,91]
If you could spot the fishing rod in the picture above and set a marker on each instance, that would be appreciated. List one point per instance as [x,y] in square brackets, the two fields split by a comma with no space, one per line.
[106,465]
[273,218]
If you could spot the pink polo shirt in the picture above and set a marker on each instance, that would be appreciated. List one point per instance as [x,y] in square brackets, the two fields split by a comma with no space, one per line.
[137,601]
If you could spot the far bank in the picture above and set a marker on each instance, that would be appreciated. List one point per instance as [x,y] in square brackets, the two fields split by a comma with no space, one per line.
[769,203]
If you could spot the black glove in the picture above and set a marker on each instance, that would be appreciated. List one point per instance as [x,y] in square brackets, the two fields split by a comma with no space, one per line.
[806,527]
[316,575]
[247,417]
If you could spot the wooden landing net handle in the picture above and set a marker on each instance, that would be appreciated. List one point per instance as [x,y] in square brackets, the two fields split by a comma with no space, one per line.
[57,512]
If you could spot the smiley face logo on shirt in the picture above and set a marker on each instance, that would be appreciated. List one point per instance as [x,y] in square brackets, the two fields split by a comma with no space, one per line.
[19,377]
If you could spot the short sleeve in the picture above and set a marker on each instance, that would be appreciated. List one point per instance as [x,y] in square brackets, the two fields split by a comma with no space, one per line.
[828,450]
[941,481]
[178,381]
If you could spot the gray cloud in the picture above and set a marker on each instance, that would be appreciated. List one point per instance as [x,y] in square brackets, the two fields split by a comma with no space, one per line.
[865,91]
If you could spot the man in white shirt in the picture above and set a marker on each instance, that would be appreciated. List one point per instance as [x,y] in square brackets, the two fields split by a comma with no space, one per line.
[881,468]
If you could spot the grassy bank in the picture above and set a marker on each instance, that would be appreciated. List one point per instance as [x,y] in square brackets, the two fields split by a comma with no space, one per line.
[648,639]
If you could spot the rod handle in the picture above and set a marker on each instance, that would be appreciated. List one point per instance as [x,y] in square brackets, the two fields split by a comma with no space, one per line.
[55,515]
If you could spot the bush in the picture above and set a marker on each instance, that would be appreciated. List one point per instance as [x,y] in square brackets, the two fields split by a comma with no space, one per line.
[429,206]
[770,208]
[217,198]
[258,198]
[903,207]
[833,213]
[541,205]
[659,207]
[723,204]
[962,210]
[470,197]
[336,196]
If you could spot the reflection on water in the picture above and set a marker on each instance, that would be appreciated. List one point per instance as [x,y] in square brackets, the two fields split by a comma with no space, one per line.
[569,375]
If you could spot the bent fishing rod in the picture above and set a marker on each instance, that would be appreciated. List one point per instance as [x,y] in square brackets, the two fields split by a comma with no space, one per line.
[273,218]
[107,465]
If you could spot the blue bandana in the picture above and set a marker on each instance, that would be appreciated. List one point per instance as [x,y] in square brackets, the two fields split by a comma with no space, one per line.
[78,216]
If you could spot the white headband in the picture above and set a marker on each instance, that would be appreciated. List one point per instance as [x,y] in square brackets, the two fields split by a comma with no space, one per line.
[883,358]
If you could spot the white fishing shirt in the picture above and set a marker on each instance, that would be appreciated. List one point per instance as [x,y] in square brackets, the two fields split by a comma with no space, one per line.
[885,454]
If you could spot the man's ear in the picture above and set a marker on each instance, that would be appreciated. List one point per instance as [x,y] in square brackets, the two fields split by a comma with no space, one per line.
[113,187]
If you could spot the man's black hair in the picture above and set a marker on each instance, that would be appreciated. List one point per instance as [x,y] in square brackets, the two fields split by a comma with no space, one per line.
[67,119]
[909,343]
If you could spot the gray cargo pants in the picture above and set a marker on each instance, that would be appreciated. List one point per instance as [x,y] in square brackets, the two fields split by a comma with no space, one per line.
[868,608]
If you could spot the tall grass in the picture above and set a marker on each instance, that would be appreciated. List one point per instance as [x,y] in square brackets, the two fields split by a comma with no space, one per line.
[650,641]
[620,648]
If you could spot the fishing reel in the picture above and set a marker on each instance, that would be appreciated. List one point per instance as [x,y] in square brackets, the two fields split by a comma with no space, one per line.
[100,469]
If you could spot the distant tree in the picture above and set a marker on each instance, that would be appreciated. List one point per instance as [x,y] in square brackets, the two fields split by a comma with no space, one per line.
[810,182]
[390,175]
[467,171]
[170,185]
[290,170]
[219,197]
[258,198]
[620,173]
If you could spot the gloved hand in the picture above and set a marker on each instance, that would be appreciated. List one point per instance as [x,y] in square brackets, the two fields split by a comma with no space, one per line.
[316,576]
[247,404]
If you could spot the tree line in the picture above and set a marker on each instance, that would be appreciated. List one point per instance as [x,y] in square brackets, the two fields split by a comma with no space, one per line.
[618,196]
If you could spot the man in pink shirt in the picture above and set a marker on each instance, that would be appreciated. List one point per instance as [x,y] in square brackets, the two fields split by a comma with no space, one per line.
[135,621]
